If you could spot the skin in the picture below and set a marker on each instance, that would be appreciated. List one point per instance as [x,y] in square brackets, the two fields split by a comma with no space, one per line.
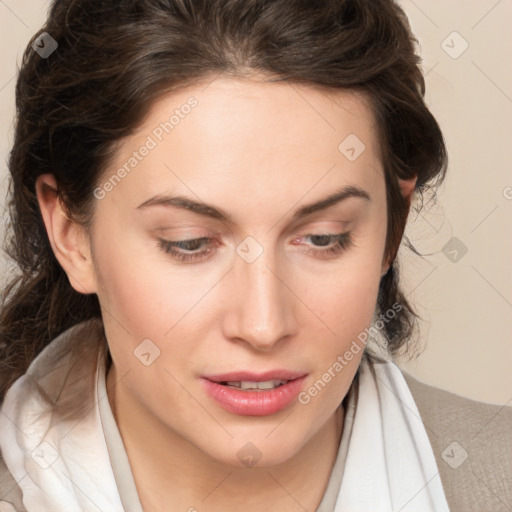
[258,151]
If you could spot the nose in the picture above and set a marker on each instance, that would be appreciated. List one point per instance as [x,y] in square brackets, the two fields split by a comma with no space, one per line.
[262,303]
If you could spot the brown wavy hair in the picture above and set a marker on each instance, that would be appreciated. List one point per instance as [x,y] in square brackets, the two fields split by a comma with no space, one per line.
[115,57]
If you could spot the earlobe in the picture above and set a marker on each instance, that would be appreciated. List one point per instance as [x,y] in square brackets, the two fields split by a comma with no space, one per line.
[67,238]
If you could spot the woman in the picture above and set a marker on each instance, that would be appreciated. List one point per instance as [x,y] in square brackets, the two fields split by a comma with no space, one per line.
[207,202]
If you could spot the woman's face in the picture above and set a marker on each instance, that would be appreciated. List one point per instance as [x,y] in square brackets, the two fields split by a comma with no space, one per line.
[272,280]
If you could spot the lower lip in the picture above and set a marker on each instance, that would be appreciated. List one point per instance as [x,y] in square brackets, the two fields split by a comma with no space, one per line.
[254,403]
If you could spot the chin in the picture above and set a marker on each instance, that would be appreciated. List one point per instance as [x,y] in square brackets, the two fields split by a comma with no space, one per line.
[259,450]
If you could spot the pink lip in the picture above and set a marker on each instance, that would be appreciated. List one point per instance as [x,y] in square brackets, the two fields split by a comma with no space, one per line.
[254,377]
[254,403]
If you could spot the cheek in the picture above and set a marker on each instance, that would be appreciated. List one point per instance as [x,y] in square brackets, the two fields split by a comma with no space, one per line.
[346,306]
[130,297]
[133,284]
[346,296]
[344,300]
[145,297]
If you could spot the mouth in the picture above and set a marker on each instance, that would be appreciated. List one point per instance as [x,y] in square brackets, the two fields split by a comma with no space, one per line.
[254,394]
[247,385]
[254,377]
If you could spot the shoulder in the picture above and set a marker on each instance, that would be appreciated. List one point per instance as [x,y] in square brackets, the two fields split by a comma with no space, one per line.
[472,444]
[10,491]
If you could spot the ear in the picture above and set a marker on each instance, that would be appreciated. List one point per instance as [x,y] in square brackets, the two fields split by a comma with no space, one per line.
[68,239]
[407,188]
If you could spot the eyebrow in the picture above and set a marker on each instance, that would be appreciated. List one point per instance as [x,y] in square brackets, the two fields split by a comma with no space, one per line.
[185,203]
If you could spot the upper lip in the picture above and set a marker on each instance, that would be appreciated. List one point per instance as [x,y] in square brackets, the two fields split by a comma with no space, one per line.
[255,377]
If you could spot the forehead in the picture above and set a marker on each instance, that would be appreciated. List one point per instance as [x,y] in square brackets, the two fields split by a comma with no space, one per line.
[229,106]
[225,136]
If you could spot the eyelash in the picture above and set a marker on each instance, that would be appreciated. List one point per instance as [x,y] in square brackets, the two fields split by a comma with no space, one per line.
[342,242]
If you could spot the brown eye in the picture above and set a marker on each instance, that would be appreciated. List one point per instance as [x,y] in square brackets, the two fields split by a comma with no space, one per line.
[342,241]
[176,248]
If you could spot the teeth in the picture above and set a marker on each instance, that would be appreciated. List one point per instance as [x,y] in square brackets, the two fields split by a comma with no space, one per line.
[246,384]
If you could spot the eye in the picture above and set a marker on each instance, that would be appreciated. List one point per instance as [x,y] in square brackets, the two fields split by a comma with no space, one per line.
[189,245]
[338,243]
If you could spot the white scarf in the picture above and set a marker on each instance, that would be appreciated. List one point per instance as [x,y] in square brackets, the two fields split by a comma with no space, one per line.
[53,443]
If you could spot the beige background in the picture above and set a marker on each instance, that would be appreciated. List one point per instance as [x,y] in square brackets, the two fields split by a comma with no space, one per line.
[466,304]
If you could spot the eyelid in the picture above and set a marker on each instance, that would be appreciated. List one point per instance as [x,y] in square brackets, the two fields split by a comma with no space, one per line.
[340,243]
[300,226]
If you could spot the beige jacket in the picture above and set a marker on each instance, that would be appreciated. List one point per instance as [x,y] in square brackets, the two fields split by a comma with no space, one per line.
[472,443]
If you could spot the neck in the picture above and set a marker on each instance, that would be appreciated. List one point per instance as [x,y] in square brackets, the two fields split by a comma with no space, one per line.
[191,480]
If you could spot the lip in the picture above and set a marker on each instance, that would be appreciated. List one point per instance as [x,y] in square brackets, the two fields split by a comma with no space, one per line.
[254,403]
[255,377]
